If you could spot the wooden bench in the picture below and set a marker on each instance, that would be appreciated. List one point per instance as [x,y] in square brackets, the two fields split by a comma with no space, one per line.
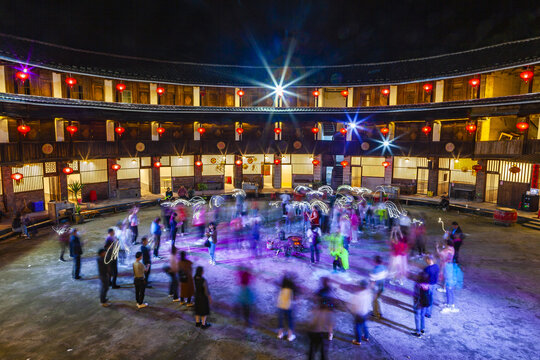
[89,214]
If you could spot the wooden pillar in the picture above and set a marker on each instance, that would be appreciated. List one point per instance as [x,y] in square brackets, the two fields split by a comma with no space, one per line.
[276,178]
[238,172]
[197,171]
[113,179]
[388,170]
[433,175]
[480,187]
[318,169]
[7,187]
[155,179]
[346,171]
[62,180]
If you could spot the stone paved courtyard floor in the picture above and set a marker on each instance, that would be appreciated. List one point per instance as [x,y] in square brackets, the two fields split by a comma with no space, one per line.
[44,314]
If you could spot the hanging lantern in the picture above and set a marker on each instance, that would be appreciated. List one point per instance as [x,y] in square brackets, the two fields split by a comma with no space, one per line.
[526,75]
[471,128]
[22,75]
[119,130]
[157,164]
[427,87]
[385,164]
[17,177]
[240,93]
[23,129]
[315,130]
[344,163]
[277,161]
[385,130]
[160,130]
[474,82]
[522,126]
[345,93]
[67,170]
[240,131]
[160,90]
[426,129]
[202,92]
[120,87]
[201,130]
[316,93]
[514,169]
[71,81]
[72,129]
[343,130]
[238,162]
[385,91]
[315,162]
[277,130]
[477,167]
[115,167]
[198,163]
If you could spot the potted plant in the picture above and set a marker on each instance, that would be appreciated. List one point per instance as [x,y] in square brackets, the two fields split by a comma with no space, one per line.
[77,217]
[76,187]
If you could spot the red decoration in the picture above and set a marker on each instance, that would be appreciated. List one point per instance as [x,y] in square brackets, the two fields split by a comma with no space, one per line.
[426,129]
[515,169]
[427,87]
[522,126]
[119,130]
[120,87]
[315,129]
[160,130]
[345,93]
[202,92]
[277,130]
[316,93]
[17,177]
[240,131]
[385,164]
[116,167]
[201,130]
[315,162]
[240,93]
[198,163]
[277,161]
[22,75]
[23,129]
[72,129]
[343,130]
[385,91]
[477,167]
[160,90]
[67,170]
[71,81]
[344,163]
[526,75]
[385,130]
[238,162]
[474,82]
[157,164]
[471,128]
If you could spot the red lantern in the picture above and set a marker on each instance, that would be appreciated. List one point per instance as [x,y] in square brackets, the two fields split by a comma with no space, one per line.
[344,163]
[477,167]
[201,130]
[23,129]
[385,92]
[277,130]
[157,164]
[17,177]
[427,87]
[198,163]
[522,126]
[316,93]
[67,170]
[526,75]
[238,162]
[22,75]
[474,82]
[343,130]
[385,164]
[240,131]
[515,169]
[119,130]
[385,130]
[240,93]
[71,81]
[202,92]
[345,93]
[315,162]
[160,90]
[471,128]
[277,161]
[72,129]
[120,87]
[315,129]
[160,130]
[115,167]
[426,129]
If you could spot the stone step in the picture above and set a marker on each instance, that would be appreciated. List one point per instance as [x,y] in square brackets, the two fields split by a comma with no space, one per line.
[532,225]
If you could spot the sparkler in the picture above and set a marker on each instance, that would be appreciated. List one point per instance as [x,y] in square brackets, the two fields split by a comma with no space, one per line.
[238,192]
[345,188]
[327,189]
[216,201]
[301,188]
[442,225]
[320,204]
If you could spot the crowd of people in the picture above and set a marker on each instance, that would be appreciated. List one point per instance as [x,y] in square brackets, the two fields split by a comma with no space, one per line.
[329,231]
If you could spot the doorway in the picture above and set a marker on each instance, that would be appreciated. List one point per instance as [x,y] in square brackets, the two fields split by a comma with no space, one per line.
[229,177]
[444,182]
[286,176]
[422,181]
[356,176]
[328,178]
[492,188]
[268,174]
[51,189]
[145,177]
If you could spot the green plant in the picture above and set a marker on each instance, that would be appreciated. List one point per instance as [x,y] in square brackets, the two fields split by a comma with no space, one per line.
[77,209]
[202,187]
[75,187]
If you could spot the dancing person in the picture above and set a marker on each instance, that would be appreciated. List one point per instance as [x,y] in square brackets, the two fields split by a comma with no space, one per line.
[199,220]
[360,306]
[345,230]
[202,299]
[378,277]
[285,307]
[139,271]
[103,273]
[134,224]
[457,236]
[398,260]
[63,239]
[321,330]
[185,274]
[314,238]
[146,260]
[246,297]
[453,279]
[155,230]
[173,273]
[75,251]
[432,270]
[211,234]
[422,300]
[173,228]
[446,255]
[419,232]
[315,218]
[338,252]
[111,257]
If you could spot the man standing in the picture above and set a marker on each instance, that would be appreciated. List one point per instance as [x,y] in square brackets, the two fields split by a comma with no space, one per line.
[138,279]
[432,271]
[173,228]
[134,224]
[457,237]
[112,257]
[314,238]
[155,230]
[146,260]
[360,306]
[75,251]
[103,272]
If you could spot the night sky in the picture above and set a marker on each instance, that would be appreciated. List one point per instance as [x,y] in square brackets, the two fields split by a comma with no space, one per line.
[225,32]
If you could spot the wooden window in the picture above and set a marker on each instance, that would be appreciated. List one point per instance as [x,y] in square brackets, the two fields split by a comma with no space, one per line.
[32,180]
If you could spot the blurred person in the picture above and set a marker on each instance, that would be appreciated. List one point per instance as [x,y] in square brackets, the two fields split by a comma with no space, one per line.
[285,307]
[211,234]
[457,236]
[199,220]
[202,299]
[432,271]
[75,251]
[360,306]
[185,274]
[103,274]
[255,236]
[139,271]
[422,300]
[134,224]
[314,238]
[354,226]
[246,297]
[338,252]
[146,260]
[181,216]
[419,232]
[173,228]
[446,255]
[315,218]
[155,230]
[453,279]
[320,330]
[236,227]
[398,260]
[345,230]
[63,239]
[111,243]
[378,277]
[173,273]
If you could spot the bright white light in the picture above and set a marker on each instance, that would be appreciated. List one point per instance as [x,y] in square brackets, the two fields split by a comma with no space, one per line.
[279,91]
[386,143]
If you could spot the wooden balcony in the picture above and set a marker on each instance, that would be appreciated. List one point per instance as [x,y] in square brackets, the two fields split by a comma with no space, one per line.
[504,148]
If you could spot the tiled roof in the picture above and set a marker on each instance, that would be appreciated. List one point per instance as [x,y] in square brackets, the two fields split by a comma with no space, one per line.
[76,61]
